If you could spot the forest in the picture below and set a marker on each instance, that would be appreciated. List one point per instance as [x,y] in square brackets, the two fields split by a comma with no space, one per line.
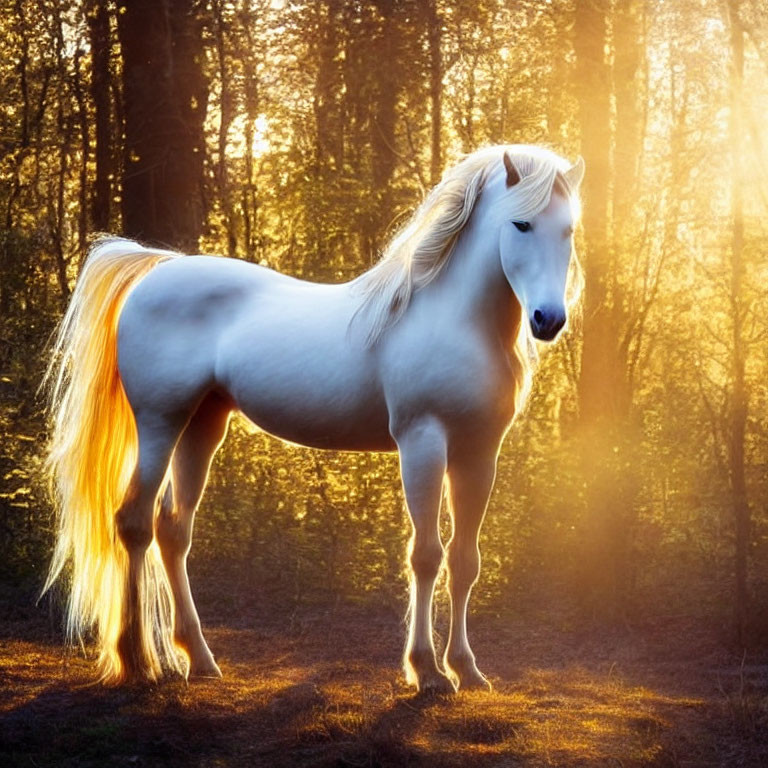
[631,499]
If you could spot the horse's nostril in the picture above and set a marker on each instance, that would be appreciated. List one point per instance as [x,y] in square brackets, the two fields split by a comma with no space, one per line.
[546,323]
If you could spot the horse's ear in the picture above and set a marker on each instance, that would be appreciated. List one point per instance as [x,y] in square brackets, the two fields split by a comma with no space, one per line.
[575,173]
[513,175]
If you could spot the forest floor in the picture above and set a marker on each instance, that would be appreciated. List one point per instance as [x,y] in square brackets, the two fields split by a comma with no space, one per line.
[324,688]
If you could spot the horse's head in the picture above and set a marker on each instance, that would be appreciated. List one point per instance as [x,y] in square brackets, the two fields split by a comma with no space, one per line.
[536,241]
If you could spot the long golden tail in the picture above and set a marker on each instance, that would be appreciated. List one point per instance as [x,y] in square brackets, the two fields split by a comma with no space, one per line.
[93,447]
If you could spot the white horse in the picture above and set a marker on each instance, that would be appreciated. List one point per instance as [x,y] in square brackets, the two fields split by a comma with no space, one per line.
[427,353]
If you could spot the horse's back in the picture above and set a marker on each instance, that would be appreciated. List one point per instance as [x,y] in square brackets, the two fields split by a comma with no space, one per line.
[297,365]
[172,322]
[282,349]
[199,288]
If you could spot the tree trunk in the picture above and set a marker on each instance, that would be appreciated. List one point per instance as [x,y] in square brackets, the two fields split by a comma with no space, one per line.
[227,108]
[434,39]
[58,203]
[609,440]
[329,137]
[250,198]
[101,44]
[739,398]
[164,102]
[595,385]
[593,93]
[383,117]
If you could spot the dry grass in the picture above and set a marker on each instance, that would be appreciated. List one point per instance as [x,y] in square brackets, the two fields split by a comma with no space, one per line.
[311,692]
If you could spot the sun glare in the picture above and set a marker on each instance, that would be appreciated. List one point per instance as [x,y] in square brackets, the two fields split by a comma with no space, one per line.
[243,128]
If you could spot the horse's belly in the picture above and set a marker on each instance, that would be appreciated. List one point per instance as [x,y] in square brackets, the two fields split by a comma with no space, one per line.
[300,378]
[313,404]
[356,430]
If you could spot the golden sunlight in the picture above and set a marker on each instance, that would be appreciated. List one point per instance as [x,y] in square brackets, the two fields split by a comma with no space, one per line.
[239,131]
[571,573]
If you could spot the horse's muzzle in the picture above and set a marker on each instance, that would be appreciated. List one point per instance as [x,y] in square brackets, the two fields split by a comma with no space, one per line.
[546,323]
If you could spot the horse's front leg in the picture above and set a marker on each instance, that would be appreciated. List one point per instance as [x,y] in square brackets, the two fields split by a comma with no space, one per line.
[471,480]
[423,453]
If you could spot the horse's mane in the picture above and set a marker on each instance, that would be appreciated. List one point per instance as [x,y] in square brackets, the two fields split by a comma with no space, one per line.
[422,247]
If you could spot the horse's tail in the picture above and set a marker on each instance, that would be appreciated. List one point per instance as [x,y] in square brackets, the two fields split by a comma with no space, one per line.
[93,446]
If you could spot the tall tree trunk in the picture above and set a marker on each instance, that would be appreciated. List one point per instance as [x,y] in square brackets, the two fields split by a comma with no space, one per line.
[164,101]
[739,398]
[468,118]
[434,39]
[329,137]
[58,203]
[58,206]
[383,117]
[628,92]
[101,45]
[596,390]
[611,146]
[250,197]
[593,94]
[627,46]
[227,109]
[85,151]
[561,76]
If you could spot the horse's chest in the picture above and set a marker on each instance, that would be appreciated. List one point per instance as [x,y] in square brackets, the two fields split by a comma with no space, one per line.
[471,389]
[480,395]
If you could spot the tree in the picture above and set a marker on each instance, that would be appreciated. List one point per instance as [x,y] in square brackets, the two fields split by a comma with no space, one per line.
[164,103]
[739,397]
[100,38]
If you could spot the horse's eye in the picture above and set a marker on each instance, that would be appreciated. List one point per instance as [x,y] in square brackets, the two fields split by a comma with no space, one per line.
[523,226]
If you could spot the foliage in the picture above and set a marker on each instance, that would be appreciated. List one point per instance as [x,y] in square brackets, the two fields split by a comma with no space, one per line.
[323,124]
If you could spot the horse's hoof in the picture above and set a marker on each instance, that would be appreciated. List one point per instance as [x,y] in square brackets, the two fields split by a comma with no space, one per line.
[436,685]
[474,682]
[468,676]
[207,672]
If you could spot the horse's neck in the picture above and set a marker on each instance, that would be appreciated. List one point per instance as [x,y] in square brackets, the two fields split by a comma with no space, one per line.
[473,284]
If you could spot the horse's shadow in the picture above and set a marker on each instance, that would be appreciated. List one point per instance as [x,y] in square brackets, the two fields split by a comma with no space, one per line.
[148,725]
[151,725]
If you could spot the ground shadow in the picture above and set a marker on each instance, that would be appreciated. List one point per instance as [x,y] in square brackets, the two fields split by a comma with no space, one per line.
[306,691]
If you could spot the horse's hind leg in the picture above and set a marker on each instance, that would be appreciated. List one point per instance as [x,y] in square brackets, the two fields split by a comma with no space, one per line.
[135,643]
[190,465]
[471,481]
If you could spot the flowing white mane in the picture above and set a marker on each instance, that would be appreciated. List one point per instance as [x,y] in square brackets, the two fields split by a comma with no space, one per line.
[420,249]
